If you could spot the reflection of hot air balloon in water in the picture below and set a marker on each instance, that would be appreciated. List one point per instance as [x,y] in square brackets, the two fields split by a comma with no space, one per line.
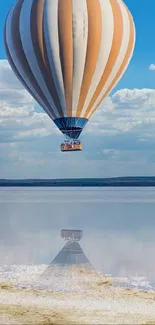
[69,55]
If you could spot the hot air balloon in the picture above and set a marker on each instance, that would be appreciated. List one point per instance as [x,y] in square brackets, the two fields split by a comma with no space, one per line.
[69,55]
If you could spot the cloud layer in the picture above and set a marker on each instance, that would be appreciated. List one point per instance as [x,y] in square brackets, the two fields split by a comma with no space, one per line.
[120,132]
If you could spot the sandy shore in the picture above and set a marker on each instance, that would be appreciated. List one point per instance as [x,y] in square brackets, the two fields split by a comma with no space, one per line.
[94,300]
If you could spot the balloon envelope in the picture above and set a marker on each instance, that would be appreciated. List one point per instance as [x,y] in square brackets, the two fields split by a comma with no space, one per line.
[69,54]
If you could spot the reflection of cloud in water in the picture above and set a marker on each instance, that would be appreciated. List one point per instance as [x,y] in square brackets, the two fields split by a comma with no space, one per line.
[76,195]
[107,251]
[119,237]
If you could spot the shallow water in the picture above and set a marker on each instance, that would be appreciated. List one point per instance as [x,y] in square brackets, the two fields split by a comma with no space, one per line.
[118,226]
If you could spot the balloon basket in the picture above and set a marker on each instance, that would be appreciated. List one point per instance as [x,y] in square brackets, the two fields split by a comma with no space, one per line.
[71,145]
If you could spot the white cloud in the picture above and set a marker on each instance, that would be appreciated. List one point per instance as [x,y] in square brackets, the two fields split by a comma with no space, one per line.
[32,133]
[130,110]
[134,99]
[18,118]
[152,67]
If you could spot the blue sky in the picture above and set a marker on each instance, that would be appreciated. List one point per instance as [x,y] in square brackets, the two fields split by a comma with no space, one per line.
[119,142]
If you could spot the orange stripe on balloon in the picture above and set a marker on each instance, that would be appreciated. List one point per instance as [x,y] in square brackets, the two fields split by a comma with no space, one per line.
[116,45]
[124,64]
[93,47]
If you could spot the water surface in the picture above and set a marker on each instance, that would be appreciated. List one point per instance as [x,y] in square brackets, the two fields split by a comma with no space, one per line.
[118,226]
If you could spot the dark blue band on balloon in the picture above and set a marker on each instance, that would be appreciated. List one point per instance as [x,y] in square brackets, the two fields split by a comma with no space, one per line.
[71,126]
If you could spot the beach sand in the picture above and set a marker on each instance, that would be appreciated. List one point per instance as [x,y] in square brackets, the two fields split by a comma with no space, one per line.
[85,298]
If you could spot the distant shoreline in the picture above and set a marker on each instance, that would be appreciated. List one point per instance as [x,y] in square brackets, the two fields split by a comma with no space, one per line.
[138,181]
